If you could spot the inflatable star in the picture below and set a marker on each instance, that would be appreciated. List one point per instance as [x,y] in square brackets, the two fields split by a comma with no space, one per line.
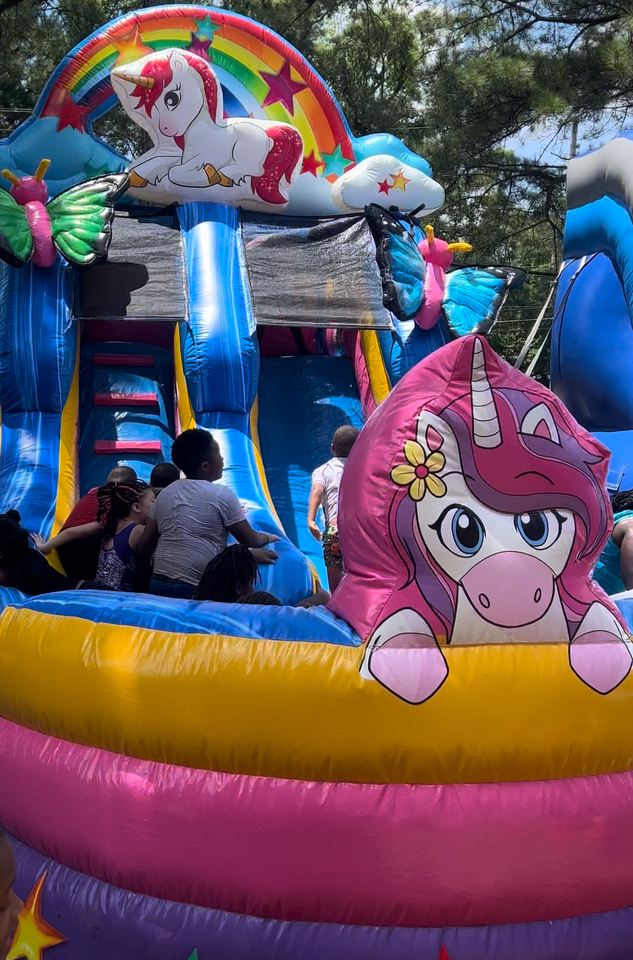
[130,46]
[399,181]
[335,162]
[34,935]
[281,87]
[311,164]
[68,112]
[206,28]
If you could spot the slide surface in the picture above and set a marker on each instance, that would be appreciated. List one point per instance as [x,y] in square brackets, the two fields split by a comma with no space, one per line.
[302,401]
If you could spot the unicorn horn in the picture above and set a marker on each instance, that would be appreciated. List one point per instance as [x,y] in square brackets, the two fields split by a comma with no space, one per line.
[147,82]
[486,430]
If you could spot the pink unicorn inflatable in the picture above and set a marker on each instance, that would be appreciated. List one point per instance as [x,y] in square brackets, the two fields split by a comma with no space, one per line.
[483,511]
[178,101]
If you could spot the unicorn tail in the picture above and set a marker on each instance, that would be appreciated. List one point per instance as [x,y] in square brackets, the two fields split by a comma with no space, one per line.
[282,161]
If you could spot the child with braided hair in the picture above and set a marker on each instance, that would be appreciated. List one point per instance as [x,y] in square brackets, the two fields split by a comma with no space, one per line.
[123,512]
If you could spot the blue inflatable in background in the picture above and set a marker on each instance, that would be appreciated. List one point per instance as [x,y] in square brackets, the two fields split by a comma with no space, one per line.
[592,340]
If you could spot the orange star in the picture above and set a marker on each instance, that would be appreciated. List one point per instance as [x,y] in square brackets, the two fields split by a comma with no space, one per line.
[130,45]
[399,181]
[34,935]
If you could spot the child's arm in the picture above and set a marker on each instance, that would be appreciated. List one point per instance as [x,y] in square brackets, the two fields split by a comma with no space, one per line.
[70,533]
[316,495]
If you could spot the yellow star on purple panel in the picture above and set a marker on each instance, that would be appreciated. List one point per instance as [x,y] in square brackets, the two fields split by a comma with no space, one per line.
[281,87]
[34,935]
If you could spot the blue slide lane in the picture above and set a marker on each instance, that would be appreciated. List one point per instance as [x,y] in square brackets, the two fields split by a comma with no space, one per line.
[38,344]
[302,400]
[221,366]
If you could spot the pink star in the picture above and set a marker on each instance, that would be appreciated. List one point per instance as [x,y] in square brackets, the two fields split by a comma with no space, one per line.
[200,47]
[282,88]
[384,187]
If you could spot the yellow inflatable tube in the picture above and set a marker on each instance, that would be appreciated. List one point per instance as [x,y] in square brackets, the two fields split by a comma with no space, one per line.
[300,710]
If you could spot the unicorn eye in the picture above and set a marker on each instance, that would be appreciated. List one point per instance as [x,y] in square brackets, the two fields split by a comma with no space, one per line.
[460,531]
[540,529]
[171,99]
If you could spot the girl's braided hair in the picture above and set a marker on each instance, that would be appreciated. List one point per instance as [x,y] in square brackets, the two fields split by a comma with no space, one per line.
[115,502]
[235,566]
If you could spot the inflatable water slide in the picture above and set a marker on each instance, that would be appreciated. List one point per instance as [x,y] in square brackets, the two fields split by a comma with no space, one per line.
[592,339]
[435,766]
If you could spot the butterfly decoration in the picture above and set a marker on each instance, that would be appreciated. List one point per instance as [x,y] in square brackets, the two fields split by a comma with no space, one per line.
[419,284]
[77,222]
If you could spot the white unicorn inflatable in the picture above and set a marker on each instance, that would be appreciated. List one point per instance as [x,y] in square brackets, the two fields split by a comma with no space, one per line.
[178,101]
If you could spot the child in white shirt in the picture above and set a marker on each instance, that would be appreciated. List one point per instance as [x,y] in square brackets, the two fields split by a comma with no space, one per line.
[326,481]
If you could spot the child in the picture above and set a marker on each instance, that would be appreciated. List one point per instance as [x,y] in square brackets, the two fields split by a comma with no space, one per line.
[10,903]
[26,569]
[163,475]
[192,519]
[79,557]
[123,512]
[229,576]
[326,480]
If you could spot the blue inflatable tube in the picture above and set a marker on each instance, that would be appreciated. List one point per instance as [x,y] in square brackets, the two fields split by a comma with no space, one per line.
[221,368]
[38,357]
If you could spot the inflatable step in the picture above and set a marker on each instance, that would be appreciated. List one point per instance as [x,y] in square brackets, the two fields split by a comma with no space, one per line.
[125,399]
[123,360]
[127,446]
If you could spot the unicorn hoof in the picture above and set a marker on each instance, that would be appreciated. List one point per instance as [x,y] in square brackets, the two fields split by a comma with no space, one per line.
[215,177]
[410,665]
[136,181]
[601,660]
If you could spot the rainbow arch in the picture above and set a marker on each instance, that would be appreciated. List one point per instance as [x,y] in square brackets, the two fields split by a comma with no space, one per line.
[260,73]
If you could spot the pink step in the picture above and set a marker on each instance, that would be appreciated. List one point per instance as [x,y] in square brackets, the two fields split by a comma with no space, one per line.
[128,446]
[123,360]
[125,399]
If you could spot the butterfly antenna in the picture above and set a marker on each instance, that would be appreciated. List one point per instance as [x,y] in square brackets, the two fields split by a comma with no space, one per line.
[40,173]
[11,177]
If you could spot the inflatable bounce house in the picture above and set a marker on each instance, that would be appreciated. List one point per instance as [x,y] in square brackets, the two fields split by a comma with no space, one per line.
[437,766]
[592,343]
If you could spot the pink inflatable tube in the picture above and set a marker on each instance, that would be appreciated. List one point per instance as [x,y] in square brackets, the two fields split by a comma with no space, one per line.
[394,855]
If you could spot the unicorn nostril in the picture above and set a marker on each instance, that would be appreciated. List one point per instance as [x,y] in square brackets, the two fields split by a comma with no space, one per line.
[538,595]
[484,601]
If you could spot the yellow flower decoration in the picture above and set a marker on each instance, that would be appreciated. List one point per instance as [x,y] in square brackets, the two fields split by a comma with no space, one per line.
[420,471]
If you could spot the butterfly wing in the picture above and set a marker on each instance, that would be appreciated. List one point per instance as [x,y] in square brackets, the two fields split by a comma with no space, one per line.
[402,267]
[16,242]
[81,218]
[474,296]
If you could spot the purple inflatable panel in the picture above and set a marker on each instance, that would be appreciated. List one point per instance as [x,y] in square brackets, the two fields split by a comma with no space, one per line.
[101,922]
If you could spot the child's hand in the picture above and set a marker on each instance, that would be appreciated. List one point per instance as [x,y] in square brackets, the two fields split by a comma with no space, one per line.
[272,538]
[39,542]
[314,530]
[262,555]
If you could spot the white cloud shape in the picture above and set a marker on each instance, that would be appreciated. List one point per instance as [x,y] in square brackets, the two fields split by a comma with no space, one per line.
[388,181]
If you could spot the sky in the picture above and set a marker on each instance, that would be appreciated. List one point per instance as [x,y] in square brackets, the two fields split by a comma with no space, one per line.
[552,147]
